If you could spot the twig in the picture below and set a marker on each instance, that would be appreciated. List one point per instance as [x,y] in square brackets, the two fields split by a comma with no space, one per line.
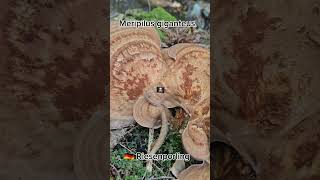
[157,167]
[163,133]
[145,173]
[152,163]
[118,173]
[126,148]
[158,142]
[130,130]
[126,134]
[149,6]
[150,141]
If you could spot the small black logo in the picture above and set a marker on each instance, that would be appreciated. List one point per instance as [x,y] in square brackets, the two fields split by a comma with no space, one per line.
[160,89]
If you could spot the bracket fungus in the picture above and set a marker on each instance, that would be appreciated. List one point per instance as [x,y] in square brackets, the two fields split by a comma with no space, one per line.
[196,135]
[136,63]
[139,68]
[196,171]
[152,116]
[196,140]
[186,83]
[146,115]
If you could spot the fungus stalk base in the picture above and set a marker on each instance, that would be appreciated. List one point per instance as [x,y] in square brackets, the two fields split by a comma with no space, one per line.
[163,133]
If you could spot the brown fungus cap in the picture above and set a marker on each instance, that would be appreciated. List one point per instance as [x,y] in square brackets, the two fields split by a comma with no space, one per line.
[196,171]
[195,140]
[169,61]
[146,114]
[169,54]
[135,63]
[188,77]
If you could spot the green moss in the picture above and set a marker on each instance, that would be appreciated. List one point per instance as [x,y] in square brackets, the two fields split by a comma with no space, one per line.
[157,14]
[161,34]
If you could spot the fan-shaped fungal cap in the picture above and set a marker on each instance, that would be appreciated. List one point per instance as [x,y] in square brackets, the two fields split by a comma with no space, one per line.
[187,82]
[167,98]
[195,139]
[188,79]
[136,63]
[196,171]
[192,72]
[201,109]
[146,114]
[169,61]
[116,29]
[174,50]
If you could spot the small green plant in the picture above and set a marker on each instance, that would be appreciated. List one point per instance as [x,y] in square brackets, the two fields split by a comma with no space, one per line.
[130,168]
[137,141]
[172,144]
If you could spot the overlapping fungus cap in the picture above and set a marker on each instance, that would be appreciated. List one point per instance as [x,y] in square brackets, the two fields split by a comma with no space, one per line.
[146,114]
[147,109]
[136,63]
[189,76]
[201,109]
[169,54]
[187,81]
[116,29]
[195,139]
[196,171]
